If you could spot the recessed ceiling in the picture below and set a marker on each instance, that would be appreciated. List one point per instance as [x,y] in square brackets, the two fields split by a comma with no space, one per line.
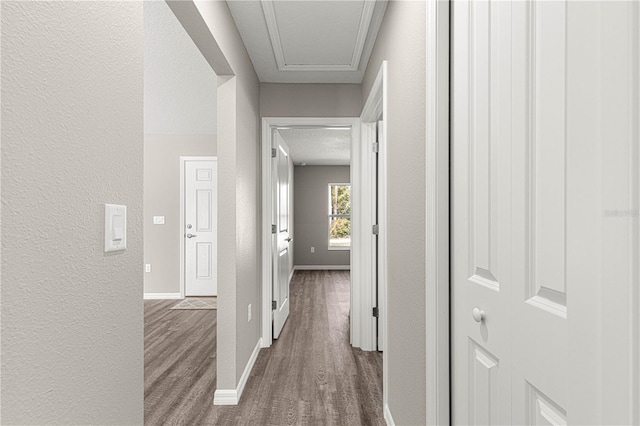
[293,41]
[318,146]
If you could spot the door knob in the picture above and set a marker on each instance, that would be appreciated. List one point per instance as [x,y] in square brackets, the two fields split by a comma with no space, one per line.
[191,235]
[289,239]
[478,314]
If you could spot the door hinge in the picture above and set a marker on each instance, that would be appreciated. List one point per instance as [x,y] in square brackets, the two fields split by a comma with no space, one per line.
[273,153]
[274,229]
[274,305]
[375,229]
[376,147]
[376,312]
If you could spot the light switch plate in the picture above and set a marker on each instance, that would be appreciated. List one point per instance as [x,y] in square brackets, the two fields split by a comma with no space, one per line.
[158,220]
[115,227]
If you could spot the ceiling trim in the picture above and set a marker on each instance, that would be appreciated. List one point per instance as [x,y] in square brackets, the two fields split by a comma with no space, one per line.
[276,43]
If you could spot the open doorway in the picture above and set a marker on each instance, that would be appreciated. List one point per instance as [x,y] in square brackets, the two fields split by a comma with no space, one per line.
[180,218]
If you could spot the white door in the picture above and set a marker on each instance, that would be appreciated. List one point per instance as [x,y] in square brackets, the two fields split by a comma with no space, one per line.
[281,253]
[200,233]
[544,144]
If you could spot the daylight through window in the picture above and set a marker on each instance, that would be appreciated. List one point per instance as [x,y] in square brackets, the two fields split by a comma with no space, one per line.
[339,216]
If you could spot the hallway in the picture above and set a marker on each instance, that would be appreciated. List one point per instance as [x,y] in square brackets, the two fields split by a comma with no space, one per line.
[310,375]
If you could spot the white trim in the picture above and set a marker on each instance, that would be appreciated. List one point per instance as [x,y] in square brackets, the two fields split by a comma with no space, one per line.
[375,109]
[322,267]
[150,296]
[184,159]
[268,123]
[232,396]
[276,42]
[437,214]
[293,270]
[387,416]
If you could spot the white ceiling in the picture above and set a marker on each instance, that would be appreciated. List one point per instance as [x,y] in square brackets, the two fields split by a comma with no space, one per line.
[319,146]
[309,41]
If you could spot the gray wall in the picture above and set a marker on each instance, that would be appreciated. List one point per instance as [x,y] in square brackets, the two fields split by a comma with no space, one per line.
[401,41]
[162,198]
[239,191]
[311,220]
[310,100]
[179,84]
[72,140]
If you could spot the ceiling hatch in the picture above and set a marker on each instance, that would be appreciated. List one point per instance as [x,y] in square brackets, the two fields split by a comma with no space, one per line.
[318,35]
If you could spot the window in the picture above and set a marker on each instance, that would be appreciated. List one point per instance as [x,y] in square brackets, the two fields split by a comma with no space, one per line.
[339,216]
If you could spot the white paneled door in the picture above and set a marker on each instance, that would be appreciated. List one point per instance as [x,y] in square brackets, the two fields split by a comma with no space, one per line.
[200,233]
[282,238]
[544,212]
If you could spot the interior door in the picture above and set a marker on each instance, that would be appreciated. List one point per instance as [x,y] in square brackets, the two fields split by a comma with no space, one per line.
[544,144]
[282,253]
[200,233]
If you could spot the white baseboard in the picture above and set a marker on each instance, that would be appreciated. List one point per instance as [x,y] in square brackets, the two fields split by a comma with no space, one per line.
[162,296]
[232,396]
[322,267]
[387,416]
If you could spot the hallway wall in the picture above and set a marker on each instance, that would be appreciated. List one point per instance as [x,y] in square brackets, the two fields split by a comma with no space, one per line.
[310,100]
[311,215]
[162,198]
[402,41]
[239,191]
[72,140]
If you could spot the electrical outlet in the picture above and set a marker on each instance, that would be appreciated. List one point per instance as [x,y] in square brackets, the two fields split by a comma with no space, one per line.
[158,220]
[313,249]
[147,267]
[249,313]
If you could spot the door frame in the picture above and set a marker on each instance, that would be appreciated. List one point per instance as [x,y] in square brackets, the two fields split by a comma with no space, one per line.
[269,123]
[437,260]
[183,182]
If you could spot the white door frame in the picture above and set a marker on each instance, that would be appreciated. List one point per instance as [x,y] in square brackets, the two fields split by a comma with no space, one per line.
[183,160]
[438,386]
[375,108]
[268,123]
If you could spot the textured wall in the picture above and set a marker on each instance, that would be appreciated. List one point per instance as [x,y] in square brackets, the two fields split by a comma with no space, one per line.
[310,100]
[72,140]
[401,41]
[162,198]
[179,84]
[311,214]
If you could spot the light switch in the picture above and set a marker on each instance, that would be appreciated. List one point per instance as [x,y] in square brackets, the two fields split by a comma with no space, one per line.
[115,227]
[158,220]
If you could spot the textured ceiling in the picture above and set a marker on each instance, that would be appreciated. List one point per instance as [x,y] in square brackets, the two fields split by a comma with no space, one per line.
[316,147]
[311,41]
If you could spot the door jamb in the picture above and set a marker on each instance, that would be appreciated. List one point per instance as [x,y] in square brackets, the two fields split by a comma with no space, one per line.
[438,387]
[374,109]
[183,160]
[268,123]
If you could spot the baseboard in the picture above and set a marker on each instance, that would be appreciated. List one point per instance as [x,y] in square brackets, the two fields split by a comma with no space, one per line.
[162,296]
[232,396]
[387,416]
[322,267]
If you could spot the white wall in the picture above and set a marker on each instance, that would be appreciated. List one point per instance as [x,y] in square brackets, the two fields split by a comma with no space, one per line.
[310,100]
[179,84]
[72,318]
[401,41]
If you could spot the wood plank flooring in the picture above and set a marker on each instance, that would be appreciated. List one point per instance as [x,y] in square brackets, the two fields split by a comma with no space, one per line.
[311,375]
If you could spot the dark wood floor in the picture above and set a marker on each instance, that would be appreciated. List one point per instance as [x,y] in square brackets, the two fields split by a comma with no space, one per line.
[311,375]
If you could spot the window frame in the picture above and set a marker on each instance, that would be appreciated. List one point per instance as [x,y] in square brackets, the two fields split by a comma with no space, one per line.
[331,216]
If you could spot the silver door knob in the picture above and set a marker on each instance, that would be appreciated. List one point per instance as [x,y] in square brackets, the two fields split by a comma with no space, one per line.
[191,235]
[478,314]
